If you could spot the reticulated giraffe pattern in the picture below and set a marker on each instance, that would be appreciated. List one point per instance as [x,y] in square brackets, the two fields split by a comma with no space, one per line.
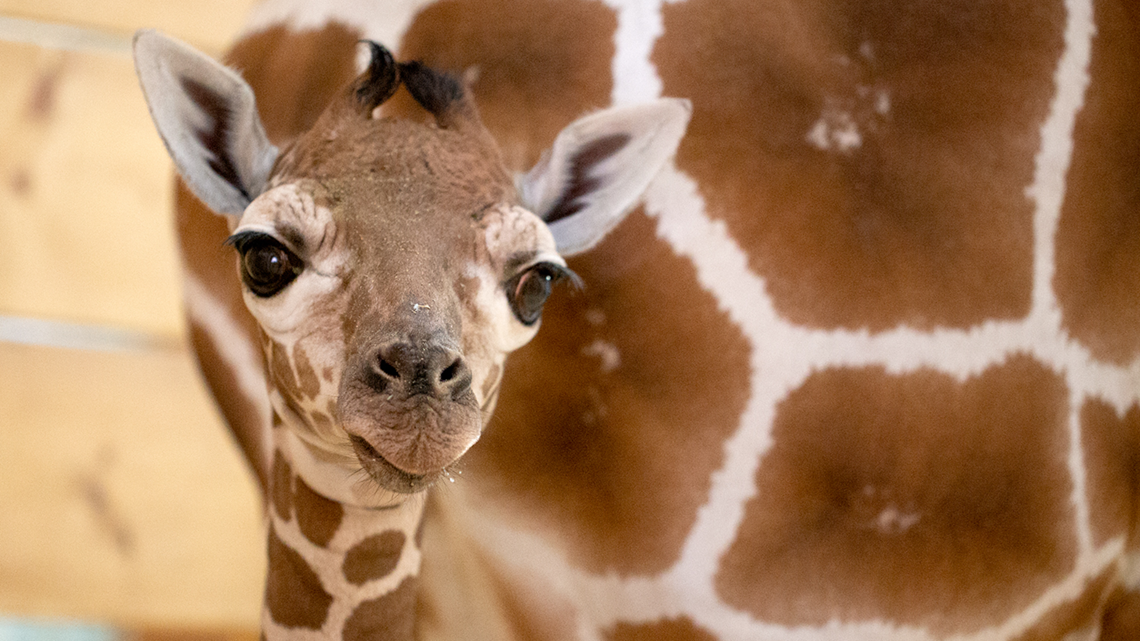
[863,367]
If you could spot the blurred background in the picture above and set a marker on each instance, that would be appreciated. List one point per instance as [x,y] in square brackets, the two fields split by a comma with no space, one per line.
[124,507]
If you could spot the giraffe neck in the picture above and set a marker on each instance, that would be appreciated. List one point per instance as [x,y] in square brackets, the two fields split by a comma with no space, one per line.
[338,570]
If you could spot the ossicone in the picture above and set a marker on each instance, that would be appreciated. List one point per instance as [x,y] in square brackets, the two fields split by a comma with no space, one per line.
[379,81]
[441,94]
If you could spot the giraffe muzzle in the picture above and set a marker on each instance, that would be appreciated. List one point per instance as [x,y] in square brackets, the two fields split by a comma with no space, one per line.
[409,410]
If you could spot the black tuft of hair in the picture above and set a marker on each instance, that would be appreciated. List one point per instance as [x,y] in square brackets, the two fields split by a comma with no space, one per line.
[436,91]
[381,79]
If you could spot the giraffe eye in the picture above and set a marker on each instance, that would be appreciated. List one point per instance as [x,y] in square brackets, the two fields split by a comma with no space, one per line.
[267,266]
[528,291]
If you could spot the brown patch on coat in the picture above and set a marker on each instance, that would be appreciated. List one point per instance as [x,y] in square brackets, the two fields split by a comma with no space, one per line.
[1121,621]
[540,64]
[387,618]
[293,591]
[318,517]
[615,464]
[902,490]
[295,74]
[1080,614]
[281,487]
[1112,460]
[281,369]
[240,412]
[682,629]
[282,377]
[306,375]
[201,234]
[322,421]
[1098,238]
[373,558]
[924,222]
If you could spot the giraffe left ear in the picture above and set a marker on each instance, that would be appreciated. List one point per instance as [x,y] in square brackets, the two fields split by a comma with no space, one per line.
[207,117]
[598,168]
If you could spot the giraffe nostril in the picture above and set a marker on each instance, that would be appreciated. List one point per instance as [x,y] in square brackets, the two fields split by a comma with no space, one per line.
[450,372]
[418,368]
[389,369]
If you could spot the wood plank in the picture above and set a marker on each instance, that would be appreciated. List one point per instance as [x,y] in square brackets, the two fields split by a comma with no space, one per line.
[125,499]
[85,194]
[211,25]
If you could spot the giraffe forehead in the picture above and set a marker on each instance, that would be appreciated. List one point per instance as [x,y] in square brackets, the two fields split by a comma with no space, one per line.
[514,234]
[399,162]
[298,214]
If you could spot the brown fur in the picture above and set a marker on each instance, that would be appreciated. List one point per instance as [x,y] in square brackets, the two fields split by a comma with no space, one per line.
[672,630]
[1099,234]
[295,75]
[387,618]
[1074,617]
[1112,455]
[281,487]
[553,74]
[902,490]
[596,458]
[912,498]
[926,223]
[293,592]
[374,557]
[1122,617]
[317,516]
[201,234]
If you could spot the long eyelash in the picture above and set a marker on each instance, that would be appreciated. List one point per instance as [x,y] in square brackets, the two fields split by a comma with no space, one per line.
[567,274]
[242,239]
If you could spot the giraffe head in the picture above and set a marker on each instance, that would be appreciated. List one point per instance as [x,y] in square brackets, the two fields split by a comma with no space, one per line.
[392,264]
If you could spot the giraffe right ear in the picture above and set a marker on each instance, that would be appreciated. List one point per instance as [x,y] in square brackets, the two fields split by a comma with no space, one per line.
[207,117]
[598,168]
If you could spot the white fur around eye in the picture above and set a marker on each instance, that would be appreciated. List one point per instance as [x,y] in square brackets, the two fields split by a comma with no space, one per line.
[293,206]
[506,333]
[291,309]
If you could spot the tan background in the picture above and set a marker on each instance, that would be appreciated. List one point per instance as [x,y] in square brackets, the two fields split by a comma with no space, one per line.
[122,499]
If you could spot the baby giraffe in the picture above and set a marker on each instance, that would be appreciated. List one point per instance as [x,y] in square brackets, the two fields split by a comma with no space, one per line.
[390,265]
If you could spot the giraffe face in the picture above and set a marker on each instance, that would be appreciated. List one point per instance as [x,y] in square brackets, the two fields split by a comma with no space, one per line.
[391,263]
[391,271]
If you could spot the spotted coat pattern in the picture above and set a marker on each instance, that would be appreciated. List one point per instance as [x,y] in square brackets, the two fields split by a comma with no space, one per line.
[865,365]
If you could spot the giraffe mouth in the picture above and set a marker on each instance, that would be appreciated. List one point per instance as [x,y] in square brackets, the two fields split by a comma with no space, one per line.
[387,475]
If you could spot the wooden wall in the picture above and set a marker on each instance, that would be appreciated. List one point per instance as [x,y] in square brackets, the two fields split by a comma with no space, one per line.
[122,499]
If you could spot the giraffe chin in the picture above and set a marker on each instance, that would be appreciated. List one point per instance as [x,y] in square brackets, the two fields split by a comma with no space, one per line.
[406,441]
[389,476]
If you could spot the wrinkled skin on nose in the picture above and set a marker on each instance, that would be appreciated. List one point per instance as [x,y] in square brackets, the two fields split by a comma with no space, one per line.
[408,407]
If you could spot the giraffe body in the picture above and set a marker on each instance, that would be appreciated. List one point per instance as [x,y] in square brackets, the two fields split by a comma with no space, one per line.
[865,364]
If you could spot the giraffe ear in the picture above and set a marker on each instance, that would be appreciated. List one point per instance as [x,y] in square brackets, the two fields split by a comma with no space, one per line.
[598,168]
[206,116]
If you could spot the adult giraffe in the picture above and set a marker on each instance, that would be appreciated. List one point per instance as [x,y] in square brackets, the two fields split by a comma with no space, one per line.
[863,367]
